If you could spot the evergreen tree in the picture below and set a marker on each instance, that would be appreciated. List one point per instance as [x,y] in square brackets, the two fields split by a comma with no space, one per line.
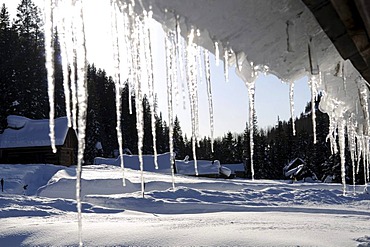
[178,140]
[7,37]
[29,69]
[148,135]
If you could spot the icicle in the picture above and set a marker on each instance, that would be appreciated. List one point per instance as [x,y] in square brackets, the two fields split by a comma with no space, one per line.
[149,58]
[291,99]
[251,95]
[138,63]
[73,51]
[200,64]
[247,72]
[217,53]
[313,83]
[209,93]
[366,164]
[170,77]
[63,36]
[174,71]
[81,67]
[363,95]
[365,156]
[133,52]
[118,77]
[67,38]
[332,135]
[74,92]
[180,58]
[359,151]
[71,37]
[226,64]
[341,133]
[192,83]
[352,149]
[49,51]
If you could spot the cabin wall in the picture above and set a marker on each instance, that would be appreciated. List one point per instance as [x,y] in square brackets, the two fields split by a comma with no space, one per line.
[65,155]
[29,155]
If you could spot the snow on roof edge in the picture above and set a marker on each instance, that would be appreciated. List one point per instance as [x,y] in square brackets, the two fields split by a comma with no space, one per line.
[25,132]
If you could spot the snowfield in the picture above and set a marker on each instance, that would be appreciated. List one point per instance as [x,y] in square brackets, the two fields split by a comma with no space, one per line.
[199,212]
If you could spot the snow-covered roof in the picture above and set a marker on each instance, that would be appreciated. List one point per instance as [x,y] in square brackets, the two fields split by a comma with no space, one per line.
[25,132]
[132,162]
[235,167]
[164,162]
[269,32]
[293,162]
[280,37]
[205,167]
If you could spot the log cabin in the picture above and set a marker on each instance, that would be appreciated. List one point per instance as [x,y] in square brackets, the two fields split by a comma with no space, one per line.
[27,141]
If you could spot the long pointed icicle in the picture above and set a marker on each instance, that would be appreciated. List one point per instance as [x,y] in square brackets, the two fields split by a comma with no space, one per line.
[118,84]
[209,94]
[352,149]
[291,100]
[341,133]
[139,61]
[217,53]
[65,68]
[366,164]
[313,82]
[49,51]
[226,64]
[251,95]
[170,79]
[81,65]
[191,53]
[150,72]
[180,58]
[359,152]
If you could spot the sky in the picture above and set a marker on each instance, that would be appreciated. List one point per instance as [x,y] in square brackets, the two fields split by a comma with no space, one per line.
[230,99]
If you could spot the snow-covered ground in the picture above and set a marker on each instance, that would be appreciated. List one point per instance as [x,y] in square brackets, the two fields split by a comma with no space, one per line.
[199,212]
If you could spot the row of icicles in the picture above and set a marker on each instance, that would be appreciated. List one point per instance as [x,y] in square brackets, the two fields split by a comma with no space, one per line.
[186,63]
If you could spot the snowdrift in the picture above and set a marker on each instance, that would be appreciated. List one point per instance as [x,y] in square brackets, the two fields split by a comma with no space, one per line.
[204,167]
[204,205]
[132,162]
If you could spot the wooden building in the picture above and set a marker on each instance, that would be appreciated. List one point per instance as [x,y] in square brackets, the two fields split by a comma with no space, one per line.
[27,141]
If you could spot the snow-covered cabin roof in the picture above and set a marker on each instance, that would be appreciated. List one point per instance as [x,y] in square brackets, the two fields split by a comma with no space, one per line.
[25,132]
[205,167]
[235,167]
[298,161]
[132,162]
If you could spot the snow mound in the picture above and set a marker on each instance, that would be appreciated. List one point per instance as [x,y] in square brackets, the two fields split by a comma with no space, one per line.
[25,132]
[197,207]
[132,162]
